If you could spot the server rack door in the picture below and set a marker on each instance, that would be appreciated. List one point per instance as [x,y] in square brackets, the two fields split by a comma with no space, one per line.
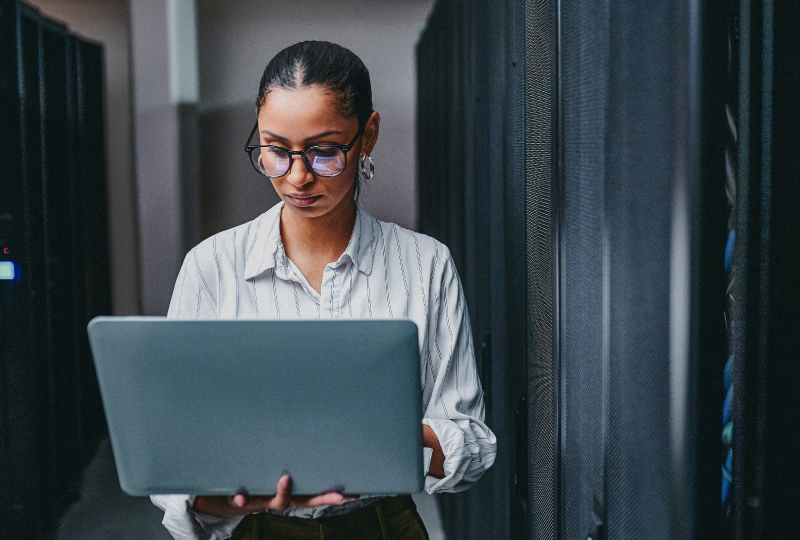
[76,259]
[92,223]
[766,374]
[18,481]
[642,182]
[472,198]
[84,439]
[43,309]
[784,338]
[477,74]
[61,427]
[541,265]
[638,173]
[515,264]
[585,266]
[30,482]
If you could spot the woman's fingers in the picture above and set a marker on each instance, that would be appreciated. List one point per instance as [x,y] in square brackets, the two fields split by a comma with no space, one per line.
[242,503]
[283,496]
[245,503]
[318,500]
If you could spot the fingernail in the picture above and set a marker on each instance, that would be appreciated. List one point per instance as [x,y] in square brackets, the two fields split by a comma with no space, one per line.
[285,473]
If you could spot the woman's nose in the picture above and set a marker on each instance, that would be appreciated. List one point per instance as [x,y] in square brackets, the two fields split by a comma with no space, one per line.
[299,175]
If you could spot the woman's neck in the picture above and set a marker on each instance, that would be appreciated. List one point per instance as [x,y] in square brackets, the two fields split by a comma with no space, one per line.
[325,237]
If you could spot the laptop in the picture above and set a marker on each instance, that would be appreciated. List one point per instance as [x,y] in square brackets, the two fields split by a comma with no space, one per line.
[217,406]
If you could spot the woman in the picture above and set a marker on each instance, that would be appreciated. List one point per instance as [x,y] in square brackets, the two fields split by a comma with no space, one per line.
[318,254]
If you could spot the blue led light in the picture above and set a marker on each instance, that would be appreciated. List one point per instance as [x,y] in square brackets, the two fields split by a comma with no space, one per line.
[6,270]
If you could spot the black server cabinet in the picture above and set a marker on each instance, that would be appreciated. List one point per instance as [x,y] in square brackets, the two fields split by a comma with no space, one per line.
[764,325]
[59,424]
[53,265]
[642,227]
[17,415]
[612,162]
[471,196]
[90,234]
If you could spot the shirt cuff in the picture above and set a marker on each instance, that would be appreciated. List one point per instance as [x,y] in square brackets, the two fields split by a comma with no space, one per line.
[183,523]
[456,456]
[427,454]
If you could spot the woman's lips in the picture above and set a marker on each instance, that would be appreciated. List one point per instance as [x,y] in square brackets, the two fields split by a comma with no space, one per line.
[303,200]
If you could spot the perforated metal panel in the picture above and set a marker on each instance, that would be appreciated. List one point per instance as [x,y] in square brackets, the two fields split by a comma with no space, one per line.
[639,188]
[584,331]
[608,121]
[540,110]
[635,339]
[472,197]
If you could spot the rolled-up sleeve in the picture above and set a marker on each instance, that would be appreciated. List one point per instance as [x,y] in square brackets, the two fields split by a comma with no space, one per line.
[192,298]
[455,411]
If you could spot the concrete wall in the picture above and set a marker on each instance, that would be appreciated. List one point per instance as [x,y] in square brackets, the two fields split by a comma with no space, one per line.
[107,21]
[235,42]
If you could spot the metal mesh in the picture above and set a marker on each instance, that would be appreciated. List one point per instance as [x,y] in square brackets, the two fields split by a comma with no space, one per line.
[472,197]
[639,165]
[539,96]
[584,65]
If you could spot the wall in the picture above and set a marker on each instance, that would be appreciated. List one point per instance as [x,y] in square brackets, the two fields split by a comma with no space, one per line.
[237,39]
[107,22]
[164,68]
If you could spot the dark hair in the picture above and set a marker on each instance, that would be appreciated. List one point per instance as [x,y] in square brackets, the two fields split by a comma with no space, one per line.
[325,64]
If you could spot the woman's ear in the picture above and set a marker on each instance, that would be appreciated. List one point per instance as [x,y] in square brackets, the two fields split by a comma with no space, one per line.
[370,133]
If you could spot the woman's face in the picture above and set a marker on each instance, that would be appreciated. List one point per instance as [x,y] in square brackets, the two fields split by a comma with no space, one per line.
[296,119]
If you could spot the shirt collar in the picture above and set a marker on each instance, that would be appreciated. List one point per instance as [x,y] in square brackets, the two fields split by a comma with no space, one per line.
[265,247]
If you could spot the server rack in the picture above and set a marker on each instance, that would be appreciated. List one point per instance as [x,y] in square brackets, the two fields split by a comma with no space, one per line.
[471,66]
[54,250]
[613,174]
[765,337]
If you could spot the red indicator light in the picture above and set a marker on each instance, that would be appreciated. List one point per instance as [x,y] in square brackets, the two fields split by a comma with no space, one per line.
[6,251]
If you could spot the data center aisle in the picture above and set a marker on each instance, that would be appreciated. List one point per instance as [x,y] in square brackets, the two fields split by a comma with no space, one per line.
[104,511]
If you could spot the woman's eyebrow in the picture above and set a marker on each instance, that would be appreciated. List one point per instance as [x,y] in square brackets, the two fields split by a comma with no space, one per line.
[271,135]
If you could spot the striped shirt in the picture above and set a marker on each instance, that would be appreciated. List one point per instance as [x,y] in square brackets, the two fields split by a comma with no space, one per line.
[386,271]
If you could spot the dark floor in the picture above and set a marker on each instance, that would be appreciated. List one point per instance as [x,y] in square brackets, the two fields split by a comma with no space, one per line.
[105,512]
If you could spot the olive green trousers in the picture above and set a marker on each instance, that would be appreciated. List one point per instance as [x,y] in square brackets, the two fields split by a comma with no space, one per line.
[392,518]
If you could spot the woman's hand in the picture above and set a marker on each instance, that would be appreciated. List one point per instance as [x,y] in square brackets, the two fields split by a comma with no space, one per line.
[240,504]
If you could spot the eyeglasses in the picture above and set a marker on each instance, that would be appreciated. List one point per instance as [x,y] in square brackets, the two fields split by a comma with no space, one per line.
[322,160]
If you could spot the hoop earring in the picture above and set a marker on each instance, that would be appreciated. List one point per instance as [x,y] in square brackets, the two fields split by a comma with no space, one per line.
[363,167]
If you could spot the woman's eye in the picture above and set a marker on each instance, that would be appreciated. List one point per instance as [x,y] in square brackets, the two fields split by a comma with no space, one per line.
[326,152]
[277,151]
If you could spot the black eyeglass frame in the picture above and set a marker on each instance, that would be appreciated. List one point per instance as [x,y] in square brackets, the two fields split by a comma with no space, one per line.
[345,148]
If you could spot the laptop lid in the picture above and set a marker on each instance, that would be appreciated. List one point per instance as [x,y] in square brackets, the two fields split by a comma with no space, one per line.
[215,406]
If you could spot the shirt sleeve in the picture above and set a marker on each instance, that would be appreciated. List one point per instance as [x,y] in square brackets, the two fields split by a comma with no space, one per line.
[183,523]
[192,298]
[455,411]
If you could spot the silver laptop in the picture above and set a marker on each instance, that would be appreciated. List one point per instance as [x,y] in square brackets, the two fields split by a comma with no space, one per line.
[213,407]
